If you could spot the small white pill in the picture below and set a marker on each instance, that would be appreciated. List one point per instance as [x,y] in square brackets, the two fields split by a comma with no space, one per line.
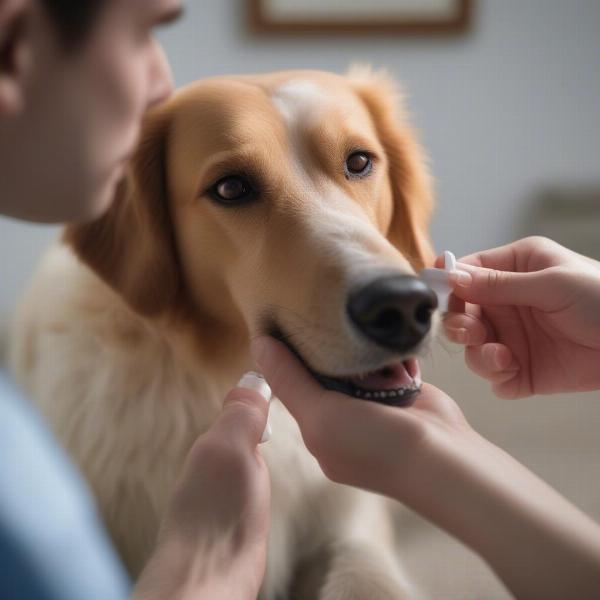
[437,280]
[449,261]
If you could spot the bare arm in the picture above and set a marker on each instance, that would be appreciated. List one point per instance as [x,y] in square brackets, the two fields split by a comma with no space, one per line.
[428,457]
[537,542]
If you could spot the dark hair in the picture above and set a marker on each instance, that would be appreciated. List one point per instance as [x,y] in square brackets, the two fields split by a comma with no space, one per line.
[73,18]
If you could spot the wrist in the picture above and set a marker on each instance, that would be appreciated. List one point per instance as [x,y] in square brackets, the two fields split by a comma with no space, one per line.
[525,530]
[180,570]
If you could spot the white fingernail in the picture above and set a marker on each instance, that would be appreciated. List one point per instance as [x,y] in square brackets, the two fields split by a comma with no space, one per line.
[255,381]
[266,436]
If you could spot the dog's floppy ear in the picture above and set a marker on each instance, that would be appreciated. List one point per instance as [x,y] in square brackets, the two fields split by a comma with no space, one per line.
[410,180]
[131,246]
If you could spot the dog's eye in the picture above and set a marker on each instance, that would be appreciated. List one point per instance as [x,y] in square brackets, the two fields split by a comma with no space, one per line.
[358,164]
[231,190]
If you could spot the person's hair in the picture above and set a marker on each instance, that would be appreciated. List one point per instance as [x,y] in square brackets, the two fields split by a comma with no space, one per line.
[73,18]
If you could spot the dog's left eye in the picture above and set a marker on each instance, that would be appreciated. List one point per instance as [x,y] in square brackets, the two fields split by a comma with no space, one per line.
[358,164]
[231,190]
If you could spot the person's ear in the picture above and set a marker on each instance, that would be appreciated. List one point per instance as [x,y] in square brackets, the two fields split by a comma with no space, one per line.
[13,55]
[409,177]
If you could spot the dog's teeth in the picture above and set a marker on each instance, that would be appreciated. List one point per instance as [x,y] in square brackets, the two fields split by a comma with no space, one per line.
[386,394]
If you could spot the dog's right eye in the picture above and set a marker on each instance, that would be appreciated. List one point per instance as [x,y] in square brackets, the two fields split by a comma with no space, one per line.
[232,190]
[359,164]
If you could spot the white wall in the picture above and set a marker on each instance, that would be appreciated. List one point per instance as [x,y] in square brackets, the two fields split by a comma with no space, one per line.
[503,111]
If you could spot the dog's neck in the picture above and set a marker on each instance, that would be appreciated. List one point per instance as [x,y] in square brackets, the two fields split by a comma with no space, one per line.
[204,347]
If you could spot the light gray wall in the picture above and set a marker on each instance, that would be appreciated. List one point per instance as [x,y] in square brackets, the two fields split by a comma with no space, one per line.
[503,112]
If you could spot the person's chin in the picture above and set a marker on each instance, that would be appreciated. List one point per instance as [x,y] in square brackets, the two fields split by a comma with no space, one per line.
[99,200]
[106,197]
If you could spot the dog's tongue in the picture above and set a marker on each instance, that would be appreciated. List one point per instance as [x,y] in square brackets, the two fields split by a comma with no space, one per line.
[392,377]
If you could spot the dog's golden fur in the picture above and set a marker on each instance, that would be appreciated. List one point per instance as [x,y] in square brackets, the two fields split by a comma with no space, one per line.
[137,324]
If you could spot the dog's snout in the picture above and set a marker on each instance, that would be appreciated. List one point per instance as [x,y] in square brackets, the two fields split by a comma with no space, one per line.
[394,312]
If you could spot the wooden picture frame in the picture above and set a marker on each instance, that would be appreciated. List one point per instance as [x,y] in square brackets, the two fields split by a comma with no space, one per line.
[287,17]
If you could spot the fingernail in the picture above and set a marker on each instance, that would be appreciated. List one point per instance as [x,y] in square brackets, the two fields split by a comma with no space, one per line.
[501,365]
[267,433]
[255,381]
[461,278]
[257,348]
[497,361]
[458,335]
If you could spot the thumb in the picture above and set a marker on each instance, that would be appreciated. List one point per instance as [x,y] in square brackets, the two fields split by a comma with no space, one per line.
[502,288]
[245,410]
[287,376]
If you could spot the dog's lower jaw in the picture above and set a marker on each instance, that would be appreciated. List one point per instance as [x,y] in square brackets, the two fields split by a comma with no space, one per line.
[401,396]
[404,396]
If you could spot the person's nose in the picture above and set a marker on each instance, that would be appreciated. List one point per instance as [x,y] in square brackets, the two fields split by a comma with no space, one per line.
[160,77]
[394,312]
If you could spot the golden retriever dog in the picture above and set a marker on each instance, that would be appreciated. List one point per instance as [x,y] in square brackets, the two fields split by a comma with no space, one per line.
[294,204]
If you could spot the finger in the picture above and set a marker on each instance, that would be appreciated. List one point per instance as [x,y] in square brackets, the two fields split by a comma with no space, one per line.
[244,415]
[466,329]
[507,288]
[503,258]
[456,304]
[517,255]
[494,362]
[509,389]
[288,377]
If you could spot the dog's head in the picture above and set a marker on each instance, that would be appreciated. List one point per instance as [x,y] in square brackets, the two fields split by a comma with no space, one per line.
[295,204]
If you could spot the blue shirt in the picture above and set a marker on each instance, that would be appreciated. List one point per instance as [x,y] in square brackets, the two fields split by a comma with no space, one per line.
[52,543]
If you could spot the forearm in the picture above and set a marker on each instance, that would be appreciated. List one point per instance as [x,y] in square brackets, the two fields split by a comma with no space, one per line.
[538,543]
[176,573]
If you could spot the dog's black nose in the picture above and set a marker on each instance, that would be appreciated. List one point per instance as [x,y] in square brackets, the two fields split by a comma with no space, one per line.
[394,312]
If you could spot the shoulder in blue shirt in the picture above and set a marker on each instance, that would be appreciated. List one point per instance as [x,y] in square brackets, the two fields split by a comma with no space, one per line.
[52,543]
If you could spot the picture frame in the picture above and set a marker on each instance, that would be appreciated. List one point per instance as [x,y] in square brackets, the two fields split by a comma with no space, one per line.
[403,17]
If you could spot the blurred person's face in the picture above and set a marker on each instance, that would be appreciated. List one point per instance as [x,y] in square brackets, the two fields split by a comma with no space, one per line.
[71,119]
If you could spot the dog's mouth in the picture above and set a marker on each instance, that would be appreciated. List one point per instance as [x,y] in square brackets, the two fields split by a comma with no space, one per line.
[396,383]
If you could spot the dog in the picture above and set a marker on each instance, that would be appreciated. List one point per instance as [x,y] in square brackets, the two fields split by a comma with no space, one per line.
[294,204]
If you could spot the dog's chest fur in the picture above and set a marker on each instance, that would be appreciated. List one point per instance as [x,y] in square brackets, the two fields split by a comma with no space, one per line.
[128,404]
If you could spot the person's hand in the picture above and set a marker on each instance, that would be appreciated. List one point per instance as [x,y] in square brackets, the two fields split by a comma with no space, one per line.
[361,443]
[213,540]
[428,457]
[529,316]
